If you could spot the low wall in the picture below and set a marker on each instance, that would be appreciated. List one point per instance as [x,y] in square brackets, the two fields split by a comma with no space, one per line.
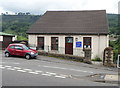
[62,56]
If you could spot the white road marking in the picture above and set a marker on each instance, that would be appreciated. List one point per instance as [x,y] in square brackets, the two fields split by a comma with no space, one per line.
[33,72]
[63,75]
[8,66]
[38,71]
[51,73]
[10,69]
[28,69]
[2,67]
[60,76]
[46,74]
[17,68]
[21,70]
[66,69]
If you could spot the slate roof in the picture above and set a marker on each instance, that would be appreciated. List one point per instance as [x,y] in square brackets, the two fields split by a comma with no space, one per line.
[71,22]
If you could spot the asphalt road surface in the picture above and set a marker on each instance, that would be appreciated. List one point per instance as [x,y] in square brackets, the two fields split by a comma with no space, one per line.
[17,71]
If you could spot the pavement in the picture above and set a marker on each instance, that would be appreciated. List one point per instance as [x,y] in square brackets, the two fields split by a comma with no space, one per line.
[114,78]
[96,65]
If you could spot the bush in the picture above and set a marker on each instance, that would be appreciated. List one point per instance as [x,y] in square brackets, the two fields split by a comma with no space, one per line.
[21,38]
[62,56]
[97,59]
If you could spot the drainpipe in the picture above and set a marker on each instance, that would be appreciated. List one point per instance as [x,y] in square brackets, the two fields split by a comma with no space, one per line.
[98,45]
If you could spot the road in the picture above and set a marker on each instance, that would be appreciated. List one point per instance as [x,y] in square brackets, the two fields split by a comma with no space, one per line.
[17,71]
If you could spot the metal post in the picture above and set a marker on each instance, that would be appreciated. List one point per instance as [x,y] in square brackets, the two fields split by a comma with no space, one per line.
[118,62]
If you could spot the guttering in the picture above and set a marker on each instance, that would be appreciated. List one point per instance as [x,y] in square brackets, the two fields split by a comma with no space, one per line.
[68,33]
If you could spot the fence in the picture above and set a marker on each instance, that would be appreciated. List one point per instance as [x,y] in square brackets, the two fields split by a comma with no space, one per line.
[60,50]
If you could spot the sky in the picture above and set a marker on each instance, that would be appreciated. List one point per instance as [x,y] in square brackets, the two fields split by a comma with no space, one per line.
[119,7]
[41,6]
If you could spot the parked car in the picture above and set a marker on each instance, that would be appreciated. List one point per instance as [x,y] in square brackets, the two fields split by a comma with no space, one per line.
[20,50]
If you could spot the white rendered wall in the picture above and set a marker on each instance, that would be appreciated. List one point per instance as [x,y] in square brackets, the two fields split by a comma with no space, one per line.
[99,43]
[14,38]
[1,38]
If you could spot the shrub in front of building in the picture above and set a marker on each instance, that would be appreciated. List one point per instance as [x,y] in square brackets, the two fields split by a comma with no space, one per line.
[62,56]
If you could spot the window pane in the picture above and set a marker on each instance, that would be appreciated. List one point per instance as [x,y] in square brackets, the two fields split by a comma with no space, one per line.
[41,43]
[87,42]
[18,47]
[69,40]
[54,43]
[25,47]
[12,47]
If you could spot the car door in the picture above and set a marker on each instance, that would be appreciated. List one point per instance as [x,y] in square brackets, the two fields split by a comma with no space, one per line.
[11,49]
[18,50]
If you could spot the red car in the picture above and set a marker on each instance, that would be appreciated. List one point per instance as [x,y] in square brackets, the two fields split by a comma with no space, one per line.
[20,50]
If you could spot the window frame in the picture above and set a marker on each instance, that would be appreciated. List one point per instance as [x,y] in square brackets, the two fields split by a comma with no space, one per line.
[54,43]
[41,43]
[85,45]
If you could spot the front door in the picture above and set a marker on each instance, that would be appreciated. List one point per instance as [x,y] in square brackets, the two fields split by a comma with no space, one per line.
[40,43]
[69,45]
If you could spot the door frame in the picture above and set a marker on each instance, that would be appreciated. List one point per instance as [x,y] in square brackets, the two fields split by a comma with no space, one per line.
[67,45]
[43,42]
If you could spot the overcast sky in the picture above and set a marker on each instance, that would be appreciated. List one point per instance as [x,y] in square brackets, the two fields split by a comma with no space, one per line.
[40,6]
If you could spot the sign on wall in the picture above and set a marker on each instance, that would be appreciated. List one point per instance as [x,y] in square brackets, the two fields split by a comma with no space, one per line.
[78,44]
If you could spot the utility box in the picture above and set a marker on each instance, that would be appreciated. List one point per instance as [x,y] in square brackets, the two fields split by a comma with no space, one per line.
[108,57]
[87,53]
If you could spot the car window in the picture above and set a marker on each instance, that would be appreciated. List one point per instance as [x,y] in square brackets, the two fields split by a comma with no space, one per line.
[25,47]
[12,47]
[18,47]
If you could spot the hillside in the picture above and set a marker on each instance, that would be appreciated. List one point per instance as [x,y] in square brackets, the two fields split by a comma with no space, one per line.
[113,23]
[19,24]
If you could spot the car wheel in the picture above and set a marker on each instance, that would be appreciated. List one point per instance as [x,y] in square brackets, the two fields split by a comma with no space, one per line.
[27,56]
[7,54]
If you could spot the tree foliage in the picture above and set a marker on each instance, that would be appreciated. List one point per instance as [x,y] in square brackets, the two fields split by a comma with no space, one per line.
[113,23]
[18,24]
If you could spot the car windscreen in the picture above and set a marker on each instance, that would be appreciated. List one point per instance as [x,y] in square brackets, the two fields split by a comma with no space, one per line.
[25,47]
